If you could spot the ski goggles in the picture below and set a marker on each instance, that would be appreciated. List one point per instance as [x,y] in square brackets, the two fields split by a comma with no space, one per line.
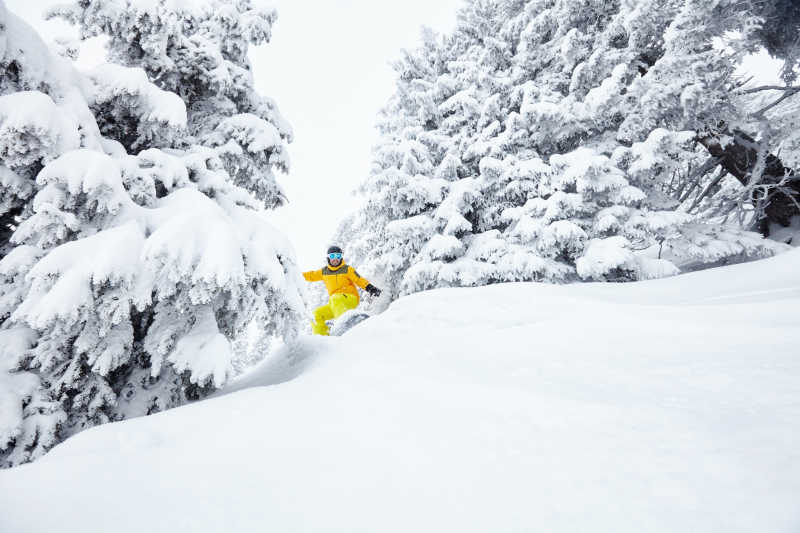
[334,256]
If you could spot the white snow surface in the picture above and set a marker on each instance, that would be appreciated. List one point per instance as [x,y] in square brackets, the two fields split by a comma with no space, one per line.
[113,81]
[662,406]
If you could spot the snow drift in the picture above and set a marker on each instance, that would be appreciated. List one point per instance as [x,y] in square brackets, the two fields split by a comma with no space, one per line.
[668,405]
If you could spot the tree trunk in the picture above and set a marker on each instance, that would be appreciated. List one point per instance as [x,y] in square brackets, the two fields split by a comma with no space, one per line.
[739,157]
[7,222]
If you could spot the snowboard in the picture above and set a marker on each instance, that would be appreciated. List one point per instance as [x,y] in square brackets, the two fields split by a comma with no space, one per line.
[346,322]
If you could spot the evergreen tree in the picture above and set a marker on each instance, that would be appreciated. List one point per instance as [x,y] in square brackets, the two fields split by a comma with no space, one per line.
[410,170]
[198,51]
[138,252]
[570,137]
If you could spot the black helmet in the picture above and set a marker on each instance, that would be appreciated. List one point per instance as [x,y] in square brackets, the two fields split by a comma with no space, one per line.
[335,250]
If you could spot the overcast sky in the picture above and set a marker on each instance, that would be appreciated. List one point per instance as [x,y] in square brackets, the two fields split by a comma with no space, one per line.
[328,69]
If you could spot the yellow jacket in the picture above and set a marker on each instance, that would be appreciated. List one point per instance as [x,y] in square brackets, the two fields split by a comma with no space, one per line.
[338,280]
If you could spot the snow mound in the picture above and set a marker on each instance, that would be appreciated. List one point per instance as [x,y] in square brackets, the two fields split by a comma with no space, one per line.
[660,406]
[31,117]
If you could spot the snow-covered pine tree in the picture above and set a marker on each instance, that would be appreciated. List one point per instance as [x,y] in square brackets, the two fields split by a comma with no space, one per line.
[573,129]
[405,182]
[606,51]
[138,249]
[42,114]
[416,200]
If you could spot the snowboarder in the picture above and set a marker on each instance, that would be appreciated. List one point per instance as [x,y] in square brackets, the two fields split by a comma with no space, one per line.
[342,282]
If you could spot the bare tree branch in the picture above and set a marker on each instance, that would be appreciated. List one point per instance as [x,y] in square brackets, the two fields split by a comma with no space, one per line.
[777,188]
[770,88]
[694,180]
[722,173]
[787,94]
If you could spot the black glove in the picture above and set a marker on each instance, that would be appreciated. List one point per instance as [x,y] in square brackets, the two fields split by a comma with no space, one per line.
[373,290]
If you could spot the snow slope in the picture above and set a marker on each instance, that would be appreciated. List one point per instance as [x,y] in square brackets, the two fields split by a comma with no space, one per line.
[661,406]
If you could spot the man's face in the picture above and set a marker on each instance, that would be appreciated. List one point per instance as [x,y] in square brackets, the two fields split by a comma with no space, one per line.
[335,259]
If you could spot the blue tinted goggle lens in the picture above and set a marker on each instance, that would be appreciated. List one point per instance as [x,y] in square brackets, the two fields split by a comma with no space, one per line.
[334,256]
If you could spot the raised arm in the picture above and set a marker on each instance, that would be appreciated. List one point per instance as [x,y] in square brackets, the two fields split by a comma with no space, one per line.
[313,275]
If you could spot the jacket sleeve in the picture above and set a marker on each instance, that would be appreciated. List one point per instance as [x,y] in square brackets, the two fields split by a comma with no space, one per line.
[353,276]
[313,275]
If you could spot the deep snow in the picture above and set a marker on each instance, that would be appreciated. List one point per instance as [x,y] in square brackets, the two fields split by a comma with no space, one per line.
[669,405]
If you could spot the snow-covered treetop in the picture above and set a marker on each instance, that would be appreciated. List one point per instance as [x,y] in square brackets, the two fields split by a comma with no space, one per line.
[197,50]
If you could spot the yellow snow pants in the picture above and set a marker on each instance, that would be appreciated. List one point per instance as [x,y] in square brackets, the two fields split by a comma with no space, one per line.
[337,305]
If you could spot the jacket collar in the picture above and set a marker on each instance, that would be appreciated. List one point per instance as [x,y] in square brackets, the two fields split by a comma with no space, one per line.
[333,268]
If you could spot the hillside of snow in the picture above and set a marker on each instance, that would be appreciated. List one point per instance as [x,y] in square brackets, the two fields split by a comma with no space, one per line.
[659,406]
